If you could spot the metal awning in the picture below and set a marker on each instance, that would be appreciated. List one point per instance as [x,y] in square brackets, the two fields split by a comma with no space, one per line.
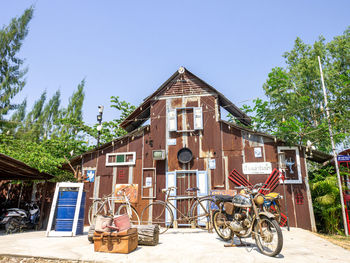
[12,169]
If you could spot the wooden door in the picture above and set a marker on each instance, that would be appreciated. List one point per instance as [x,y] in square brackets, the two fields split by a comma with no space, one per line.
[183,204]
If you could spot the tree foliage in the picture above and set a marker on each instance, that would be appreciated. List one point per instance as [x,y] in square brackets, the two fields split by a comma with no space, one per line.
[294,108]
[111,129]
[11,66]
[326,200]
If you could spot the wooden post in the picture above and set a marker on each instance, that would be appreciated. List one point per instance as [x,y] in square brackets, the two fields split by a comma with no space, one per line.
[43,200]
[20,195]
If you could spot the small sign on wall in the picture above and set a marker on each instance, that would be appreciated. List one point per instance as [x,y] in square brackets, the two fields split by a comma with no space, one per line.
[212,164]
[257,168]
[90,175]
[171,141]
[257,152]
[148,182]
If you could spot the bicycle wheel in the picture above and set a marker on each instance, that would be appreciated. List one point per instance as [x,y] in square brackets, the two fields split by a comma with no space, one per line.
[134,216]
[96,208]
[268,237]
[158,213]
[220,225]
[201,212]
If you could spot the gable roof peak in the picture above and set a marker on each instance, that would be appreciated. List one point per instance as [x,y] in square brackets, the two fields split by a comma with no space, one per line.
[142,113]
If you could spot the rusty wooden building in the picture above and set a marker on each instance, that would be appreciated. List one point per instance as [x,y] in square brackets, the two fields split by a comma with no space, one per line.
[178,137]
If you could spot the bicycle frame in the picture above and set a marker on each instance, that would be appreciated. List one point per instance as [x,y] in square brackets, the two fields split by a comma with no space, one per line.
[193,198]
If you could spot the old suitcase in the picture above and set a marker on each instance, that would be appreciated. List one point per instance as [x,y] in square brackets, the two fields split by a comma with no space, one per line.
[121,242]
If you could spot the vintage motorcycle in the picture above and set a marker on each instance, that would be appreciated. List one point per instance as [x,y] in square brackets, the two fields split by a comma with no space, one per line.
[16,219]
[242,215]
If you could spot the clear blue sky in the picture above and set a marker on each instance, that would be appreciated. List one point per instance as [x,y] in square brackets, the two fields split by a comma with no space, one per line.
[129,48]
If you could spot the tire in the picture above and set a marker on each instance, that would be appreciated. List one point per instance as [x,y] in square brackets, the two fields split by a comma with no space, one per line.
[271,235]
[158,213]
[100,210]
[200,211]
[123,209]
[12,226]
[223,231]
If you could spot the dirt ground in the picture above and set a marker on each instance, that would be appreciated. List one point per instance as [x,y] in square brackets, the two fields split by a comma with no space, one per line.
[12,259]
[341,241]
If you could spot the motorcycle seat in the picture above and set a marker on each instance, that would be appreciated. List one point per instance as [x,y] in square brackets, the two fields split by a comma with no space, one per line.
[224,198]
[272,196]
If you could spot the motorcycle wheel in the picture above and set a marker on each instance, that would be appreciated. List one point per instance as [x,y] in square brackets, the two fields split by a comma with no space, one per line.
[223,231]
[12,226]
[269,237]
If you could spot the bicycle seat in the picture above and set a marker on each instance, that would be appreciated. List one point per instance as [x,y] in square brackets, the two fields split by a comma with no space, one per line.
[223,198]
[192,189]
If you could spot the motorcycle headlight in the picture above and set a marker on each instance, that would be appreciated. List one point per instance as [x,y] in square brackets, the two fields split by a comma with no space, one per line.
[259,199]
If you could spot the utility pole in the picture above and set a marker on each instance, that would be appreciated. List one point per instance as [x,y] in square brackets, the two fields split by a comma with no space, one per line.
[333,148]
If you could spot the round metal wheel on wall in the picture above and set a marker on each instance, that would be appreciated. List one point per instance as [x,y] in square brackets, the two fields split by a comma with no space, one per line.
[158,213]
[123,209]
[200,212]
[219,224]
[96,208]
[269,237]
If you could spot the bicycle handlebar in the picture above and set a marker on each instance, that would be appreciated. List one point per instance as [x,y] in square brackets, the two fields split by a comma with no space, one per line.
[164,190]
[251,187]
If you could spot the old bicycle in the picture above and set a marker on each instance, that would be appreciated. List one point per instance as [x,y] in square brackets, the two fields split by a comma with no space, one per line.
[106,206]
[162,212]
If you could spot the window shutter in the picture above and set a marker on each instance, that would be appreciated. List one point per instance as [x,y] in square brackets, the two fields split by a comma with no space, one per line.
[172,122]
[198,118]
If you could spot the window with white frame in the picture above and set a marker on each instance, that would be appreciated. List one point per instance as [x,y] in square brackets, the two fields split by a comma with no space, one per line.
[185,119]
[293,167]
[116,159]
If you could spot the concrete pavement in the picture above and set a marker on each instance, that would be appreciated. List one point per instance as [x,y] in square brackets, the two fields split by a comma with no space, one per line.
[176,245]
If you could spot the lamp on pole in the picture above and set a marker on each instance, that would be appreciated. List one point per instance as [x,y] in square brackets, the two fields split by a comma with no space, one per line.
[99,126]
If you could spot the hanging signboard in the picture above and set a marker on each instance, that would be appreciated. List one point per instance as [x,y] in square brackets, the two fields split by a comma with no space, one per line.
[257,168]
[343,158]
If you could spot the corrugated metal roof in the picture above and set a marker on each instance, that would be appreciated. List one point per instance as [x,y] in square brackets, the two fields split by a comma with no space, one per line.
[12,169]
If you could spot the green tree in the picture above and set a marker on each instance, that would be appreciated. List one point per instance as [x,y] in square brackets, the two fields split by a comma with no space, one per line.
[293,109]
[326,200]
[11,66]
[111,129]
[72,116]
